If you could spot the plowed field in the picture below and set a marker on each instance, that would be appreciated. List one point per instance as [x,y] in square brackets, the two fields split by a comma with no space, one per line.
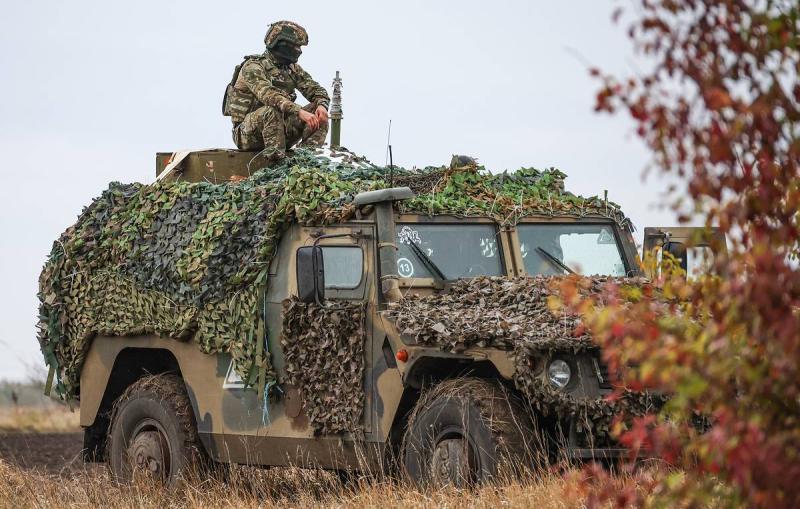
[47,452]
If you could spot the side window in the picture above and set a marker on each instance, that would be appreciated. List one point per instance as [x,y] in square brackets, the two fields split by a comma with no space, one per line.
[696,261]
[699,261]
[344,267]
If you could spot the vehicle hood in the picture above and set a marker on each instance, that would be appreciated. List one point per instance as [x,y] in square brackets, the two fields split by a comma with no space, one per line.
[498,312]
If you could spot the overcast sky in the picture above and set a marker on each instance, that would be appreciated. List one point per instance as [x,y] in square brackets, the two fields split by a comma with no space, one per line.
[91,90]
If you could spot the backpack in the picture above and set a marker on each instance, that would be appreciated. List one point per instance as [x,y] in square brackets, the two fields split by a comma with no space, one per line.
[238,103]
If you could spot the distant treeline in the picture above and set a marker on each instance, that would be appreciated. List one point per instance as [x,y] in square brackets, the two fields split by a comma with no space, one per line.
[29,393]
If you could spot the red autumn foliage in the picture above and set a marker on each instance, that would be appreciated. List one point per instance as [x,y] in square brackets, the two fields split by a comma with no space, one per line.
[721,109]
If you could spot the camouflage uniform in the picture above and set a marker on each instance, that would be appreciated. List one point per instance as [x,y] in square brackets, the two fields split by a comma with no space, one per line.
[274,123]
[260,99]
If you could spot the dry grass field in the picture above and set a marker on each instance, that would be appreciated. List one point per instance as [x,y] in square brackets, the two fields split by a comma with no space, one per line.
[45,419]
[25,409]
[249,487]
[41,466]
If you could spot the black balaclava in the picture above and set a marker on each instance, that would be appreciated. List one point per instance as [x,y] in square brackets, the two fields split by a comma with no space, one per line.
[286,53]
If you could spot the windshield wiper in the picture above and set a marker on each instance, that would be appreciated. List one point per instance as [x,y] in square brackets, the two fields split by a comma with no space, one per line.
[555,261]
[426,261]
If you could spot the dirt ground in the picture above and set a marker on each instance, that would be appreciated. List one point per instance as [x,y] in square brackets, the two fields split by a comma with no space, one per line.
[53,453]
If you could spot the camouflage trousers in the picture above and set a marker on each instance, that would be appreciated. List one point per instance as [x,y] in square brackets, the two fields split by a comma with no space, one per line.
[269,129]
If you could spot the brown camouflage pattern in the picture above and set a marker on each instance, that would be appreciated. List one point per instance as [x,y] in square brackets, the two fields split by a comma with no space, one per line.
[274,132]
[285,31]
[263,110]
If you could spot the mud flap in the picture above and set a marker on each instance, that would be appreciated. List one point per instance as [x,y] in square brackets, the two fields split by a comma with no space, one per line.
[48,386]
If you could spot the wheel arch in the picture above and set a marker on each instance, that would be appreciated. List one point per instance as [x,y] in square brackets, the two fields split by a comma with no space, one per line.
[485,410]
[428,371]
[111,366]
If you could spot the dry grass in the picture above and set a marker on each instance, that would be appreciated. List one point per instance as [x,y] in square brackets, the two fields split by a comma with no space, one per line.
[24,408]
[39,419]
[242,487]
[280,487]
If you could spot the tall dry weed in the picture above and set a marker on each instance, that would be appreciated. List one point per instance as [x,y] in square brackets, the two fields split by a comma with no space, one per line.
[279,487]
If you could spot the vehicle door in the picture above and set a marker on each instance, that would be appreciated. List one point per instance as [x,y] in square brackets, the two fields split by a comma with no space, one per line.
[306,389]
[694,248]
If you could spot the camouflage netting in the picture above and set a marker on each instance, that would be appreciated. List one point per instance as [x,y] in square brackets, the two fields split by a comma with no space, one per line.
[514,315]
[189,260]
[507,197]
[324,350]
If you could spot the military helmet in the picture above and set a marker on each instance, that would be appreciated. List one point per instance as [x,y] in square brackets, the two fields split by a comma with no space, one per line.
[285,31]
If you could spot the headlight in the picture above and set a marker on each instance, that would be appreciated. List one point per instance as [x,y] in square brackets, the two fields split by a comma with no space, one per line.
[559,373]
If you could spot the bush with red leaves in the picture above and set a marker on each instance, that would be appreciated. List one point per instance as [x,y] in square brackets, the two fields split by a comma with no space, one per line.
[720,109]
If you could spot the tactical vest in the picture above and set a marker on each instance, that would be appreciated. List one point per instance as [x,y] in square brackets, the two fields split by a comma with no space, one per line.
[236,103]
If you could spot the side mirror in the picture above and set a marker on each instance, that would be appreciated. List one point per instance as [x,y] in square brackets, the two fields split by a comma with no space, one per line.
[678,250]
[310,274]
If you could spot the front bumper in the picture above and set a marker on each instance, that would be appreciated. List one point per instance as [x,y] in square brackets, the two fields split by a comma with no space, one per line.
[605,453]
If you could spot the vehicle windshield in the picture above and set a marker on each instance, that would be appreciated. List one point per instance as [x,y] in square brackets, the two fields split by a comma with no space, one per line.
[589,249]
[456,250]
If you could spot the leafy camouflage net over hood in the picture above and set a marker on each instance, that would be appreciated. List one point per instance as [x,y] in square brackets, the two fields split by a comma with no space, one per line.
[515,315]
[491,312]
[189,260]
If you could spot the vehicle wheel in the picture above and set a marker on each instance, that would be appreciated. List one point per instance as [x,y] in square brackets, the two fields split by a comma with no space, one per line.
[153,431]
[466,431]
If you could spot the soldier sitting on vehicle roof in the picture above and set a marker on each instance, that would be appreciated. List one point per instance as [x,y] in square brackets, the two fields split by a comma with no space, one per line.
[260,98]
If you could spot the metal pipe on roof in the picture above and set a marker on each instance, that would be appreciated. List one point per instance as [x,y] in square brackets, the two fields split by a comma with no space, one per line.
[336,112]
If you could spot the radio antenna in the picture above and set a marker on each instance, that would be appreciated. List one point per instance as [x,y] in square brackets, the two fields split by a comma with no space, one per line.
[389,155]
[391,168]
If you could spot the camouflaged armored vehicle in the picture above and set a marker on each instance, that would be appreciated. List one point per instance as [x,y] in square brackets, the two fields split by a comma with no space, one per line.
[334,314]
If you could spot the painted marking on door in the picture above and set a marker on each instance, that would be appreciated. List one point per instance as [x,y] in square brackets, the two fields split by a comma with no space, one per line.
[232,379]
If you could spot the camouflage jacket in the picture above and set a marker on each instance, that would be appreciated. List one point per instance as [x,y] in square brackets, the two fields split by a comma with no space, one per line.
[267,83]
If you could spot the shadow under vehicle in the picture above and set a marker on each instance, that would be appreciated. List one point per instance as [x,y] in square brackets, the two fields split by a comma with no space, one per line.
[162,405]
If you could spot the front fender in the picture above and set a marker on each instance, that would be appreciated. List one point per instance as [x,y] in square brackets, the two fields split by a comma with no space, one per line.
[199,371]
[437,363]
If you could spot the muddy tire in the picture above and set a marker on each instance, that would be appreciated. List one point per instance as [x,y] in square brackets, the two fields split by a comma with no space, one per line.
[467,431]
[153,432]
